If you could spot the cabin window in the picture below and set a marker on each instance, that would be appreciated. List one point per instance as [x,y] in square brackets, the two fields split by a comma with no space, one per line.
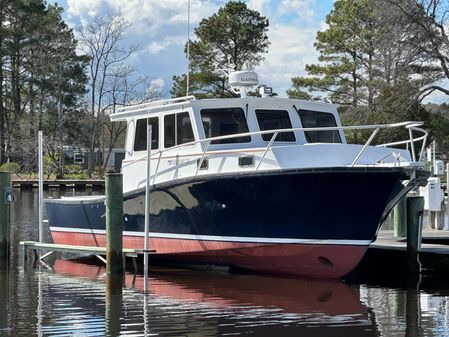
[140,140]
[316,119]
[177,129]
[224,122]
[274,120]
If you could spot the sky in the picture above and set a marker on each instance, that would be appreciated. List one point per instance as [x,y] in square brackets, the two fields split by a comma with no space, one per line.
[159,27]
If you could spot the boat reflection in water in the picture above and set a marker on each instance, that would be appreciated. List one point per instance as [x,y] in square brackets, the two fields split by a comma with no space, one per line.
[191,302]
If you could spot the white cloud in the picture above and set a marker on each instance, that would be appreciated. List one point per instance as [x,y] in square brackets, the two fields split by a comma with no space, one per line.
[262,6]
[160,28]
[156,47]
[290,50]
[303,9]
[156,85]
[154,23]
[83,7]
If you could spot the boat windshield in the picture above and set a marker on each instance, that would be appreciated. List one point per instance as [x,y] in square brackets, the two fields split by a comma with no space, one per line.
[314,119]
[274,120]
[225,121]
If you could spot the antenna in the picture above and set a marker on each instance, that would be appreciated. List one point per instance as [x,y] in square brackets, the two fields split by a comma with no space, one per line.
[188,48]
[242,81]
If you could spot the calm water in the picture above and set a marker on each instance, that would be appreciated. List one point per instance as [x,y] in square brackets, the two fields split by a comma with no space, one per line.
[72,300]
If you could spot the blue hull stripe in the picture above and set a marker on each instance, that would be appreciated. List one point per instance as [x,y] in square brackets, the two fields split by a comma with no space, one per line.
[307,205]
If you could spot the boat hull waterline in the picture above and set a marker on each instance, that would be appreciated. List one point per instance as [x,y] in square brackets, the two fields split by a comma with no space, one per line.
[316,223]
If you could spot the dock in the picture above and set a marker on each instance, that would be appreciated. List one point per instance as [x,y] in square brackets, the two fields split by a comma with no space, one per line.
[387,256]
[99,252]
[61,183]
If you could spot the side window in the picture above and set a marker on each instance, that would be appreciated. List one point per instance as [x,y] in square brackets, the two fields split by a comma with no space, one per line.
[273,120]
[177,129]
[315,119]
[140,139]
[184,132]
[224,122]
[169,131]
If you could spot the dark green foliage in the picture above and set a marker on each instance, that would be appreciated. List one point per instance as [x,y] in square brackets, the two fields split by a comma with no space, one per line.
[366,67]
[41,82]
[439,125]
[235,35]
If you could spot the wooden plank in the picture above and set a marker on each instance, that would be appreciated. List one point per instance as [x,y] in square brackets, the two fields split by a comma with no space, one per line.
[71,248]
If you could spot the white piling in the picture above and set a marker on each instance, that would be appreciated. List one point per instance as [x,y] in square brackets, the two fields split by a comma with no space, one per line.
[41,187]
[147,208]
[446,225]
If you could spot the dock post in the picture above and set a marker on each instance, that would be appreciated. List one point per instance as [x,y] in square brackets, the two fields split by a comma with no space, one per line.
[440,216]
[5,186]
[400,218]
[114,223]
[415,209]
[432,219]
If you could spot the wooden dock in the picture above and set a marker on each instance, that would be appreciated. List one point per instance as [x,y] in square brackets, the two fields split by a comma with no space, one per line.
[99,252]
[62,183]
[387,256]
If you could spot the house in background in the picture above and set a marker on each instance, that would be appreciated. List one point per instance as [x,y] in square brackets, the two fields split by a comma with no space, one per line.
[79,156]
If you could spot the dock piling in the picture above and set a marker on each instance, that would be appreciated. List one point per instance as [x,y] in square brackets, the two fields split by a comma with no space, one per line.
[400,218]
[415,210]
[5,187]
[114,223]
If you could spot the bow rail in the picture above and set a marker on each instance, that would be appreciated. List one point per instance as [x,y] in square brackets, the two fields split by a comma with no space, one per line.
[411,126]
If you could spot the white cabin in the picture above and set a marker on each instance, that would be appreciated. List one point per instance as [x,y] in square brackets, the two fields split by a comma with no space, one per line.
[241,135]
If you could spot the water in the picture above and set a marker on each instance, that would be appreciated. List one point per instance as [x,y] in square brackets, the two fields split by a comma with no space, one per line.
[76,299]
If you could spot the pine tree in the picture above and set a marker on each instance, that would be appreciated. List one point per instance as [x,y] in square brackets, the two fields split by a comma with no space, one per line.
[365,67]
[234,35]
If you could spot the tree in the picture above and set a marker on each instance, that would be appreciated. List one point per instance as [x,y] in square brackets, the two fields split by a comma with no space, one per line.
[101,41]
[57,85]
[430,38]
[235,36]
[41,75]
[365,67]
[344,49]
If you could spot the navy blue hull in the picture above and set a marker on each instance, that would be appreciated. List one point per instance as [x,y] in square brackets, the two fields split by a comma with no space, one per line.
[321,204]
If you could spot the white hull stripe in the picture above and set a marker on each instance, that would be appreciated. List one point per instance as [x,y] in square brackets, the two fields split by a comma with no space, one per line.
[219,238]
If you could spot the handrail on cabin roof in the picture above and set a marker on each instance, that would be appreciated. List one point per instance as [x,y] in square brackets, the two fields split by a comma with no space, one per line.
[148,106]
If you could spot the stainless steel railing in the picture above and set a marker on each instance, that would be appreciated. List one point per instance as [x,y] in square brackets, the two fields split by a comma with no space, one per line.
[410,126]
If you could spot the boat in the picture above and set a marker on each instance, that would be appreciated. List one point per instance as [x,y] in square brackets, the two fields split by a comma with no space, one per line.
[264,183]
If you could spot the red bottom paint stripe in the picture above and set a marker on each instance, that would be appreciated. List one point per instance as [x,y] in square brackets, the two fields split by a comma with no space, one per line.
[327,261]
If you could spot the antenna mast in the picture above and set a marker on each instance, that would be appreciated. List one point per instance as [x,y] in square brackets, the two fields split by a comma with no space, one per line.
[188,48]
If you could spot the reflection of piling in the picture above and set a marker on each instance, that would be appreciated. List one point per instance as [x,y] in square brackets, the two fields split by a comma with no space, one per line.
[5,185]
[415,209]
[114,223]
[4,294]
[113,304]
[412,314]
[400,218]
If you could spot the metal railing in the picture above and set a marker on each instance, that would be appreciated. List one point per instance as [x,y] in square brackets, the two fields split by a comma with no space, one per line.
[149,107]
[410,126]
